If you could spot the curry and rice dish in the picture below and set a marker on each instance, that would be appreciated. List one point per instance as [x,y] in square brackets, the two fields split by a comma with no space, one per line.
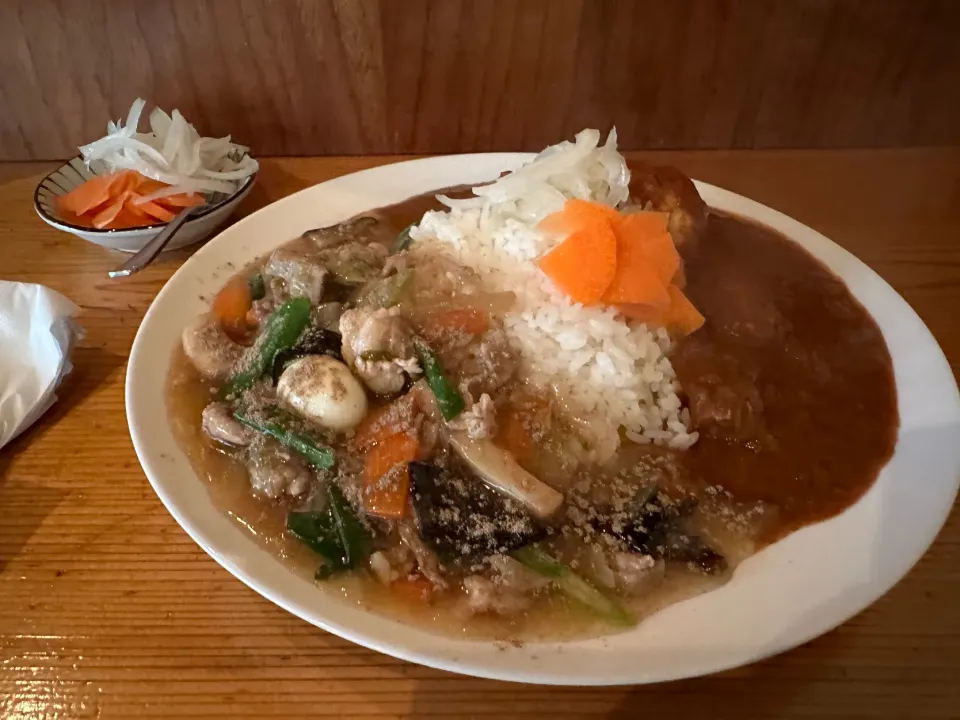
[542,407]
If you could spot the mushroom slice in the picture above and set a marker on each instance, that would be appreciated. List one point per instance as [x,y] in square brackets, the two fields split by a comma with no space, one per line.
[498,469]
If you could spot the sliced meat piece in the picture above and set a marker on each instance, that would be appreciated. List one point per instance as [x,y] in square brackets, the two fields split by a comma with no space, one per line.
[277,472]
[479,421]
[378,344]
[208,347]
[219,423]
[427,561]
[486,365]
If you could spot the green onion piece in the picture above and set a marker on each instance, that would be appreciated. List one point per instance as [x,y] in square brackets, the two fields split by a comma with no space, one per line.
[316,455]
[573,585]
[281,331]
[449,399]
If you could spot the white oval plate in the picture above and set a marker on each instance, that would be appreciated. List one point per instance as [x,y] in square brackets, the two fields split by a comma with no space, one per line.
[787,594]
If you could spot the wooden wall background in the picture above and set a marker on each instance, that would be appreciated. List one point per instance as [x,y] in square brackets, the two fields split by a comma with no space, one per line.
[310,77]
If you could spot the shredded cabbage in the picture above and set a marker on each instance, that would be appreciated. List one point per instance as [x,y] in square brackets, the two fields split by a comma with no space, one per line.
[172,152]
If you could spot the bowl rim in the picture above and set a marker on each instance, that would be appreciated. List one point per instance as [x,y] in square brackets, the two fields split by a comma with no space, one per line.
[65,225]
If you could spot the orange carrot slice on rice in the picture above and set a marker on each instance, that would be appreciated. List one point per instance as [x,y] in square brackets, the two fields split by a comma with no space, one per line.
[583,265]
[647,222]
[577,214]
[682,316]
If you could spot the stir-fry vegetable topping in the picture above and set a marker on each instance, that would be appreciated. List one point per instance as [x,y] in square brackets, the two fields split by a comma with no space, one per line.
[335,533]
[573,585]
[282,330]
[449,399]
[315,454]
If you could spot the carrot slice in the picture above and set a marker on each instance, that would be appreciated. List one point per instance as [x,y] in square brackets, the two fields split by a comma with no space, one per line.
[473,321]
[682,316]
[662,255]
[641,313]
[636,280]
[89,195]
[156,211]
[231,305]
[513,434]
[108,213]
[146,185]
[413,589]
[583,265]
[577,214]
[386,482]
[126,219]
[646,222]
[386,421]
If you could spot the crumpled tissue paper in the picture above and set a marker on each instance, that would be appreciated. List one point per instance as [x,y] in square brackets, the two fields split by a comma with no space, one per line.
[37,333]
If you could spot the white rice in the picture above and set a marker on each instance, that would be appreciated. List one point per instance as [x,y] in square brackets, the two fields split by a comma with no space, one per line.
[607,374]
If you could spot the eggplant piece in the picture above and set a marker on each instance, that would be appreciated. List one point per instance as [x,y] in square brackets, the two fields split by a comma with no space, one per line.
[655,528]
[461,518]
[314,340]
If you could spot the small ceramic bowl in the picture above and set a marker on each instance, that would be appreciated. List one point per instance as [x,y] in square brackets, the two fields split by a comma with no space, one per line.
[73,173]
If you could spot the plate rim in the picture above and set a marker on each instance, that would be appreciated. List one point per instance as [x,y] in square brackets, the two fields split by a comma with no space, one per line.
[758,212]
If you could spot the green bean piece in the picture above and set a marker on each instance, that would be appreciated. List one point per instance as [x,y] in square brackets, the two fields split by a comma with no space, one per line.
[314,453]
[449,399]
[282,330]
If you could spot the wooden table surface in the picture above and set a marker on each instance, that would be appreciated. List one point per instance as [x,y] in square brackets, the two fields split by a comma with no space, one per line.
[109,610]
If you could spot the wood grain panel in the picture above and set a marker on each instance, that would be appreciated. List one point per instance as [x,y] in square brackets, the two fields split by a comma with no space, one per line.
[110,611]
[317,77]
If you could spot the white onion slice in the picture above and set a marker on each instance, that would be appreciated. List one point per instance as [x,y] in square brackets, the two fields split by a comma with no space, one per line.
[173,152]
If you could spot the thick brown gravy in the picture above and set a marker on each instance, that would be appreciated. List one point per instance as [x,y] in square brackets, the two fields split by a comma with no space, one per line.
[779,321]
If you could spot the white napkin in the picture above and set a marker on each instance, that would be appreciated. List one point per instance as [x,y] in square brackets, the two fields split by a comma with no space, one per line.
[37,333]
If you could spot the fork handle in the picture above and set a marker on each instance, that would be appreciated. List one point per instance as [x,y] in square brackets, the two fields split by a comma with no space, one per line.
[149,251]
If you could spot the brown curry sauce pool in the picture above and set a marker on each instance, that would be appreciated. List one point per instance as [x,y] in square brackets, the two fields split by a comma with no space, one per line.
[793,366]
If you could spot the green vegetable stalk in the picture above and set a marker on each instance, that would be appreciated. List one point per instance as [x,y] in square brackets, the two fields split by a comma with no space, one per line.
[281,331]
[335,533]
[573,585]
[449,399]
[315,454]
